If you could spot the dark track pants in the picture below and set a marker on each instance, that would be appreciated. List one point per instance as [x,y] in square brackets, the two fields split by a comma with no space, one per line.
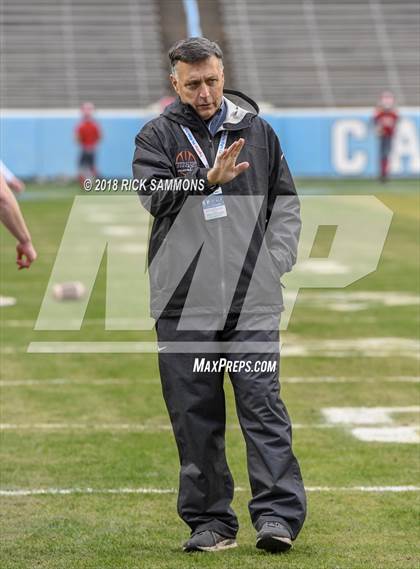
[384,151]
[196,406]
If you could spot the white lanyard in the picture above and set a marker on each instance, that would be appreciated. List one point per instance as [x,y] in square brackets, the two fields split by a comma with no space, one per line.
[197,147]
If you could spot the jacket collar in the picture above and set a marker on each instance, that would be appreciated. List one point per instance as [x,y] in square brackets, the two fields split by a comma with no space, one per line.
[238,116]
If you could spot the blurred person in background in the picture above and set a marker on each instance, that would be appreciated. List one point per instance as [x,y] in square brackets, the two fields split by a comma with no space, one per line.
[12,218]
[385,119]
[13,181]
[165,101]
[88,135]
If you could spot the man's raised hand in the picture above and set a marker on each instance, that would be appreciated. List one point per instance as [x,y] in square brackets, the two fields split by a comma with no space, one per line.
[225,168]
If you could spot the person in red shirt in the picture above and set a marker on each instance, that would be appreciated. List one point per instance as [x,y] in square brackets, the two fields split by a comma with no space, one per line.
[88,135]
[165,101]
[385,118]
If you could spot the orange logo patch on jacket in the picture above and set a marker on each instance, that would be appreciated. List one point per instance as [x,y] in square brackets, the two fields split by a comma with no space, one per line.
[185,161]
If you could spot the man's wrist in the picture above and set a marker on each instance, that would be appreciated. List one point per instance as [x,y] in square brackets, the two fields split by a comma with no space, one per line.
[211,178]
[208,188]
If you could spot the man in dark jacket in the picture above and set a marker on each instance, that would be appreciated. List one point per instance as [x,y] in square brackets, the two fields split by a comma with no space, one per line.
[222,236]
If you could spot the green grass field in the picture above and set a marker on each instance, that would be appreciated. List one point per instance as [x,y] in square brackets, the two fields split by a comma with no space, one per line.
[98,421]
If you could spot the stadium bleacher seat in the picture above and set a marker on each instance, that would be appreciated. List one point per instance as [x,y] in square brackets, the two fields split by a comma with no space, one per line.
[324,52]
[58,54]
[287,54]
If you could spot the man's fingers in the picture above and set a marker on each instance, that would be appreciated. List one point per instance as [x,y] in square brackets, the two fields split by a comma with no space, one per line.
[23,264]
[239,144]
[235,147]
[228,151]
[241,167]
[231,153]
[225,161]
[222,156]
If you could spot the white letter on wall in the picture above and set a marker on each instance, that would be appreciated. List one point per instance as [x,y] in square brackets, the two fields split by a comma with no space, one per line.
[342,131]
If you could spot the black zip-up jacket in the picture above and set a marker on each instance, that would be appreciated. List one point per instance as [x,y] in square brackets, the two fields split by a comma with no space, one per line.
[206,267]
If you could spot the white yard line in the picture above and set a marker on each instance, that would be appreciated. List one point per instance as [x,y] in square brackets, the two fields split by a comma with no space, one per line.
[331,300]
[130,427]
[369,298]
[366,415]
[146,324]
[7,301]
[67,491]
[376,424]
[333,379]
[128,381]
[59,381]
[337,348]
[134,427]
[353,347]
[363,489]
[394,434]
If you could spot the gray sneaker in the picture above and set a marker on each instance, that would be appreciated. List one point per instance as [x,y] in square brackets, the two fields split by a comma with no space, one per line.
[208,541]
[274,537]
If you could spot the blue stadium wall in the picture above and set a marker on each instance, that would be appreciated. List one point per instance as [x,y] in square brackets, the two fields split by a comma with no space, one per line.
[315,142]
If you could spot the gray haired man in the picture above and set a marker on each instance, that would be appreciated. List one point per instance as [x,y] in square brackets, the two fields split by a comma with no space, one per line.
[216,254]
